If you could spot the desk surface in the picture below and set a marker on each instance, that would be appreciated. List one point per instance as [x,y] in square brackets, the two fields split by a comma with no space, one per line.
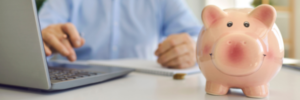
[139,86]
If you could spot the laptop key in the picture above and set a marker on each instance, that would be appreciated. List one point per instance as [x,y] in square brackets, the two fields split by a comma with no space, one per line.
[63,74]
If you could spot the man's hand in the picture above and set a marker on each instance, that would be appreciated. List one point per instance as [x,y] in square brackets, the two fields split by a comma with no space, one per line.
[177,51]
[62,38]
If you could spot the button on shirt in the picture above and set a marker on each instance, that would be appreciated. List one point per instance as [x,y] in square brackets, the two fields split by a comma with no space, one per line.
[116,29]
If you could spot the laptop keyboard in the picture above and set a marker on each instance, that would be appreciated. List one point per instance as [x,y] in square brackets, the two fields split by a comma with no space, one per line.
[63,74]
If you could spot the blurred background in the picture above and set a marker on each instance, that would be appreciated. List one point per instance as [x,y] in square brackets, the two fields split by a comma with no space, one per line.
[287,17]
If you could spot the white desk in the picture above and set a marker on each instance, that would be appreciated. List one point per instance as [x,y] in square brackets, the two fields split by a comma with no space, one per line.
[138,86]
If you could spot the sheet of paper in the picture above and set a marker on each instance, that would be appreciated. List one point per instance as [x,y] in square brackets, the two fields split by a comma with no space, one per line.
[290,61]
[143,64]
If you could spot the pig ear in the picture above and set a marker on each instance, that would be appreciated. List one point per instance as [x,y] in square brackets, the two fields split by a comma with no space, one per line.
[264,13]
[211,14]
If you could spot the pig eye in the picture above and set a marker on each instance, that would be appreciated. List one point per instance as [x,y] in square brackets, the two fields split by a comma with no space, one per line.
[246,24]
[229,24]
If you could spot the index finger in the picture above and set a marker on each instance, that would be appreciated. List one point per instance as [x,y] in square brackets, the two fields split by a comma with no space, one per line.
[73,34]
[170,42]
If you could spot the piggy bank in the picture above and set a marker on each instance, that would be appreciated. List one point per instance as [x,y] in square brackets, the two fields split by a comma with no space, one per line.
[239,48]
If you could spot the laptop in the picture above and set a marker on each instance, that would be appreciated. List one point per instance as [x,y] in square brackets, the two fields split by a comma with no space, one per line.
[22,57]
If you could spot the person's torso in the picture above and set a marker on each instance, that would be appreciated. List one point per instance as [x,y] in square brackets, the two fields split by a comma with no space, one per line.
[117,28]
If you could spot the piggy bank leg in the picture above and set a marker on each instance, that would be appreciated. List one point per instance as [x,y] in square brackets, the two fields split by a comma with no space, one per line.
[256,91]
[216,88]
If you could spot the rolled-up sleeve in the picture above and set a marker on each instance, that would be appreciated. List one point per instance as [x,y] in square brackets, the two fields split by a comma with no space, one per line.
[177,18]
[54,12]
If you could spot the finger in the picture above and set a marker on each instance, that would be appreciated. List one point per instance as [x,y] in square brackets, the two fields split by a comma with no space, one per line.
[82,41]
[72,55]
[55,30]
[62,36]
[173,63]
[58,33]
[172,41]
[73,34]
[184,61]
[47,50]
[54,43]
[174,52]
[176,61]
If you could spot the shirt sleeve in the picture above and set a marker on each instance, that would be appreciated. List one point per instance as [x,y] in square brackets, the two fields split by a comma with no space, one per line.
[177,18]
[54,12]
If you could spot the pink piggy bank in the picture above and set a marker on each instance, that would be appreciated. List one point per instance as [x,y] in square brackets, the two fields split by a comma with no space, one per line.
[239,48]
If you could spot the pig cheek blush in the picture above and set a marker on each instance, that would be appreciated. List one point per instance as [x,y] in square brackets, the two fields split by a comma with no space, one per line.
[206,49]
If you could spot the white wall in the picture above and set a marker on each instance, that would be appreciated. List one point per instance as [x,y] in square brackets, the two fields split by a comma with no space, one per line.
[243,3]
[223,4]
[196,6]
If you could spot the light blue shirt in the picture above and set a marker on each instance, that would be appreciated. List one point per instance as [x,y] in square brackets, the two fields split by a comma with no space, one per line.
[116,29]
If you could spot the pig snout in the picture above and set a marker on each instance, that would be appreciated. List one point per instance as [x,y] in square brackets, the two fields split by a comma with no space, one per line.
[237,54]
